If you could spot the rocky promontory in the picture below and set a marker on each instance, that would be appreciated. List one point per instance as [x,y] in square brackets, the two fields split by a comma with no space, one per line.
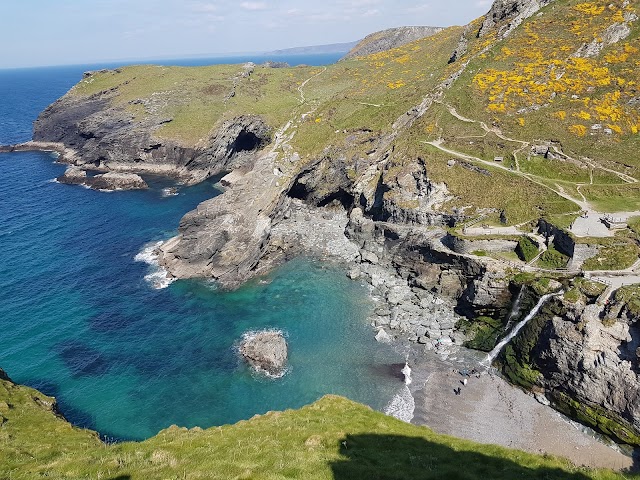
[390,38]
[107,138]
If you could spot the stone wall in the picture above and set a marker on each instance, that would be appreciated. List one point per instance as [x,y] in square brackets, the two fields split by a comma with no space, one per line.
[465,246]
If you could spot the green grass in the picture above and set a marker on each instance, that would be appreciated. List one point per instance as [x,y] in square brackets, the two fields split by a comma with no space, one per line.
[333,438]
[527,249]
[588,287]
[615,254]
[614,198]
[195,98]
[634,225]
[572,295]
[630,295]
[563,221]
[552,259]
[483,333]
[554,169]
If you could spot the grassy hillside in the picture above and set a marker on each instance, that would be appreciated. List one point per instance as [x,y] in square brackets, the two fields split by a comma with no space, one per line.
[333,438]
[562,79]
[539,84]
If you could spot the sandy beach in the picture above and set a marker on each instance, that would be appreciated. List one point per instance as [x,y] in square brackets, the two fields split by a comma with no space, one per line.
[490,410]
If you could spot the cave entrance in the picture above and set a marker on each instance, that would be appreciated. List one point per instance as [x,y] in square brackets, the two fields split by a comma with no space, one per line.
[344,198]
[246,142]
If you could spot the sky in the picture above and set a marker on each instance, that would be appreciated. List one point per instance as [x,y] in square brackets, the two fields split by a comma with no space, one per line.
[62,32]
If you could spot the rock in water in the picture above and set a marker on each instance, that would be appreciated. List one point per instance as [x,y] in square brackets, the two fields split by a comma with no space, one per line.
[73,176]
[266,351]
[117,181]
[105,181]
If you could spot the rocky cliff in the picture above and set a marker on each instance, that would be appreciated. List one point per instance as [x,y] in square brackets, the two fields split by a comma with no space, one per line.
[388,39]
[402,149]
[110,138]
[585,360]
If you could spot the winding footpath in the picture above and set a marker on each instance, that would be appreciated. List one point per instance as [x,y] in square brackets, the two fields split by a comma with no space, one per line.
[614,279]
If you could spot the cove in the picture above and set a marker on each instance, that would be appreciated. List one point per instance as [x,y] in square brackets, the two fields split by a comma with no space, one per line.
[81,323]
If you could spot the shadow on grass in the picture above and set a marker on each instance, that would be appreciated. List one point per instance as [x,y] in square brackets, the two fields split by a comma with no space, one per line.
[382,457]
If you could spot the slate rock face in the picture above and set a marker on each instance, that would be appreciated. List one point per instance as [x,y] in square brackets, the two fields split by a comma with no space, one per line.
[508,14]
[266,351]
[107,138]
[4,376]
[105,181]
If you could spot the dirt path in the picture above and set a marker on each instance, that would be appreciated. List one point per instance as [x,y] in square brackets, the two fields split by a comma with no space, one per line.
[303,84]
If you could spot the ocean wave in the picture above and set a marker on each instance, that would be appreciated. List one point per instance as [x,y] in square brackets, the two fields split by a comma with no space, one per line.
[157,277]
[169,192]
[402,405]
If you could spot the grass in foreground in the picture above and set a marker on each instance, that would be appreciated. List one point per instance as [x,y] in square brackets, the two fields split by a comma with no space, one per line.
[333,438]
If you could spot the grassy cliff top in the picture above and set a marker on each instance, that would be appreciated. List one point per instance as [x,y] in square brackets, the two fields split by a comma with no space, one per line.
[334,438]
[566,80]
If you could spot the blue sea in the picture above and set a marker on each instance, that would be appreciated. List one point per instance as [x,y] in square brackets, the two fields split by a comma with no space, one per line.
[81,319]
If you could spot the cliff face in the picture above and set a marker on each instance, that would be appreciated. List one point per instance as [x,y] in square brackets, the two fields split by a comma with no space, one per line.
[388,39]
[405,147]
[586,361]
[506,15]
[109,138]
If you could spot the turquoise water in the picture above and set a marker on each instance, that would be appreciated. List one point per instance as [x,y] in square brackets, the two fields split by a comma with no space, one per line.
[80,322]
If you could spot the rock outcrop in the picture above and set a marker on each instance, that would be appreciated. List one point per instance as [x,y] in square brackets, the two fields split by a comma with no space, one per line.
[225,237]
[585,363]
[108,138]
[266,351]
[105,181]
[118,181]
[506,15]
[390,38]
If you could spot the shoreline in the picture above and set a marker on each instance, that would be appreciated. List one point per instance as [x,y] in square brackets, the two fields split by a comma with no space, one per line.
[489,409]
[320,231]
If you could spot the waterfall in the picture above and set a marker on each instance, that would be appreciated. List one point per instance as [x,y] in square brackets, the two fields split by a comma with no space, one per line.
[498,348]
[403,405]
[406,371]
[515,308]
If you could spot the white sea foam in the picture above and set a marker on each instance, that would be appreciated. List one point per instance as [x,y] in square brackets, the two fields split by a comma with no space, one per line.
[250,335]
[157,276]
[406,371]
[169,192]
[402,405]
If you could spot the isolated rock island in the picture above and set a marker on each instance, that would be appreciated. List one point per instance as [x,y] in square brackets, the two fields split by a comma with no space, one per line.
[266,351]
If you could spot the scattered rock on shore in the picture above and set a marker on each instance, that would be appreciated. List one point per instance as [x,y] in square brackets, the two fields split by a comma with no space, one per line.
[266,351]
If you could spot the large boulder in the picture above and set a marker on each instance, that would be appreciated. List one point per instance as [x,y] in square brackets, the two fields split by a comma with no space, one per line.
[117,181]
[73,176]
[104,181]
[266,351]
